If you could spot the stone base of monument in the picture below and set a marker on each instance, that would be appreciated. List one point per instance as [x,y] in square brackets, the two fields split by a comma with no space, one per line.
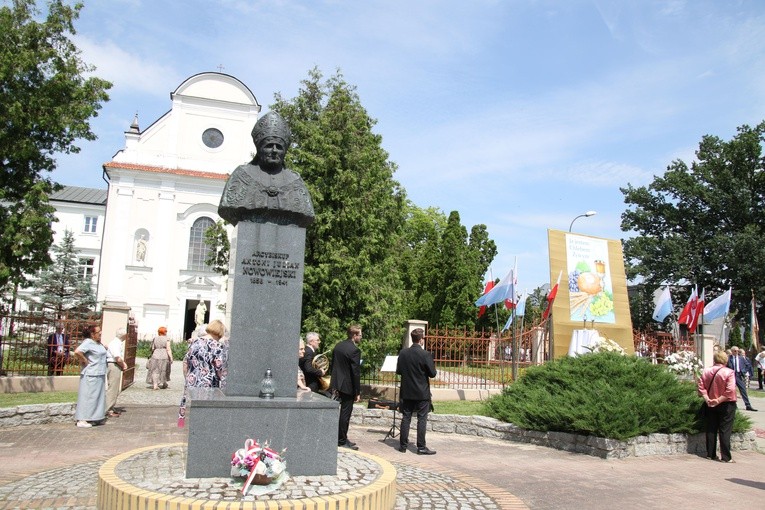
[153,477]
[219,425]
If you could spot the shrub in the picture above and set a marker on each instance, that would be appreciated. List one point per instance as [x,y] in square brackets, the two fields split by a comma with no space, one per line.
[605,395]
[143,349]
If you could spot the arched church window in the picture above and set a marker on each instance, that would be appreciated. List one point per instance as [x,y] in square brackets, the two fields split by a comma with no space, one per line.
[198,250]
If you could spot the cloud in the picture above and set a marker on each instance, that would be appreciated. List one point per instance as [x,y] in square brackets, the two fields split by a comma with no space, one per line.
[129,72]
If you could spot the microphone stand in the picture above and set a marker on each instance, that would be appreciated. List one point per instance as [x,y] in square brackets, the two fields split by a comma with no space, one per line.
[392,432]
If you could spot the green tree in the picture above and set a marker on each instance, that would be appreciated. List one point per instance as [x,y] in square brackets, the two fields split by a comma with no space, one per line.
[419,259]
[456,276]
[62,288]
[351,272]
[641,308]
[216,238]
[47,96]
[705,223]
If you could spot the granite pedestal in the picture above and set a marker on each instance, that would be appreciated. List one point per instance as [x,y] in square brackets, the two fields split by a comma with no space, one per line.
[219,425]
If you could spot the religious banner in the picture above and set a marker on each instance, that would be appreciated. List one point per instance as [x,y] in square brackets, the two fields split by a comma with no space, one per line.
[593,297]
[591,294]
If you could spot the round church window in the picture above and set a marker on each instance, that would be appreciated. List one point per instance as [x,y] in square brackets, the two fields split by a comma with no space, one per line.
[212,138]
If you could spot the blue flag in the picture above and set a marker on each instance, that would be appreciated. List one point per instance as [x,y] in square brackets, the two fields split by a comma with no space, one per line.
[718,307]
[508,323]
[505,289]
[520,308]
[663,305]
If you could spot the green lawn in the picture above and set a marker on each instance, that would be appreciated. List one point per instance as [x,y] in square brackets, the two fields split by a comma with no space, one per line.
[461,407]
[19,399]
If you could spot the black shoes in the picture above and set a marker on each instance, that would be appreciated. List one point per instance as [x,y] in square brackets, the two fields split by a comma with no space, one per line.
[425,451]
[348,444]
[750,408]
[402,449]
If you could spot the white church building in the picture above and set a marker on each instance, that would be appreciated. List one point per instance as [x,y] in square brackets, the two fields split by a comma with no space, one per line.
[163,192]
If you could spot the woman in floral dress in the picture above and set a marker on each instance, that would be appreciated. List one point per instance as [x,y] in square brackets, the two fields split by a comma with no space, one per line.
[203,364]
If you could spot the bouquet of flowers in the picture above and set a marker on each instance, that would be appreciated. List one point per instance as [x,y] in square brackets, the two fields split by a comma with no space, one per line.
[603,344]
[684,363]
[258,464]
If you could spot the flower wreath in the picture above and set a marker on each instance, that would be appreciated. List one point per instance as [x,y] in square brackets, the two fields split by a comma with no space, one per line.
[259,465]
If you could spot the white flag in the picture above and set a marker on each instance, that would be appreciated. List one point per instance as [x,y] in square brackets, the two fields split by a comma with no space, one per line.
[663,306]
[718,307]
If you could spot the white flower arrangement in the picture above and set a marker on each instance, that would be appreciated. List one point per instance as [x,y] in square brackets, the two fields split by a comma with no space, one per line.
[603,344]
[684,363]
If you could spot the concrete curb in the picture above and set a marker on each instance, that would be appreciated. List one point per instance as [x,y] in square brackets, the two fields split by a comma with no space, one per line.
[481,426]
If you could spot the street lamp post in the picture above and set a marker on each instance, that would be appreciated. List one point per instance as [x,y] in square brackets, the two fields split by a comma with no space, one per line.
[585,215]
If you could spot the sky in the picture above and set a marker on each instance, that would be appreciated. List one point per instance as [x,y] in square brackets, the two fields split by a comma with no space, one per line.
[519,114]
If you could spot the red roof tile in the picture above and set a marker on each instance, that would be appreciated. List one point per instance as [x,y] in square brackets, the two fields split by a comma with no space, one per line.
[161,170]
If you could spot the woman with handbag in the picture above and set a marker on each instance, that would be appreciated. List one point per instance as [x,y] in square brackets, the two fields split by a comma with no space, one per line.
[717,386]
[160,361]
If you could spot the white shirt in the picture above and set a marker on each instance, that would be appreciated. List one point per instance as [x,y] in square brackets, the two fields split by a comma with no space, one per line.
[116,350]
[760,359]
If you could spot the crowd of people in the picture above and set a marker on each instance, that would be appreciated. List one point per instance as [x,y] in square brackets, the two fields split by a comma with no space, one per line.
[205,362]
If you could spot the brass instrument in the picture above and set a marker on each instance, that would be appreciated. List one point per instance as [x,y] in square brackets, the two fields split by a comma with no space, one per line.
[321,362]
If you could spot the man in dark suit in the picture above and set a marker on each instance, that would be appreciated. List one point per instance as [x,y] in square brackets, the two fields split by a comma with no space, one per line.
[346,380]
[415,366]
[312,374]
[742,367]
[57,348]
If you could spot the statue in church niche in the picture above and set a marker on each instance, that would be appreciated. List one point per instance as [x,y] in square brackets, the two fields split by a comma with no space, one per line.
[264,190]
[199,313]
[140,249]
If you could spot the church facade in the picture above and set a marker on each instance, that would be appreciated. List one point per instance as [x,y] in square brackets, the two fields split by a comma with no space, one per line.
[163,192]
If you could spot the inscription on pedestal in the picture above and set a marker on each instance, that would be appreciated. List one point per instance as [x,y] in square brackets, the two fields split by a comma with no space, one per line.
[269,268]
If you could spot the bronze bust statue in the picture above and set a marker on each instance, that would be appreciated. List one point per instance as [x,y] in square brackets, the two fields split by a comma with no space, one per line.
[263,190]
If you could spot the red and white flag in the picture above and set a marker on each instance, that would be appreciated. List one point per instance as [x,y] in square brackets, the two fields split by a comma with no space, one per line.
[551,297]
[698,306]
[482,308]
[690,305]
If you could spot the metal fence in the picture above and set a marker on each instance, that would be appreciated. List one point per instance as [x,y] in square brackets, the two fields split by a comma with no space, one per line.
[467,359]
[470,359]
[658,345]
[24,345]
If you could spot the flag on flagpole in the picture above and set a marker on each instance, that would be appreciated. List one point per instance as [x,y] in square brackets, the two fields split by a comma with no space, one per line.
[663,305]
[520,308]
[505,289]
[510,303]
[754,324]
[718,307]
[486,289]
[686,313]
[551,297]
[508,323]
[698,308]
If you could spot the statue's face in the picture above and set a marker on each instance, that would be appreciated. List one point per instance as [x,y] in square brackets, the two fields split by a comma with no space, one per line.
[271,153]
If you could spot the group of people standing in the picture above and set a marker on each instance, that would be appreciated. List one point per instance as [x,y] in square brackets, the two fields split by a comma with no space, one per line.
[415,366]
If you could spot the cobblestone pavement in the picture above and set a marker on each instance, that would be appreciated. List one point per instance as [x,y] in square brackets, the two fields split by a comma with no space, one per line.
[55,466]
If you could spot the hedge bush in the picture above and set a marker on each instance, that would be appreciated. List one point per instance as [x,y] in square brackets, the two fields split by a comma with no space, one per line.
[143,349]
[604,395]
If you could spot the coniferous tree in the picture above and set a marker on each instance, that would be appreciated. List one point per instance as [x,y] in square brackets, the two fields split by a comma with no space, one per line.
[62,288]
[351,272]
